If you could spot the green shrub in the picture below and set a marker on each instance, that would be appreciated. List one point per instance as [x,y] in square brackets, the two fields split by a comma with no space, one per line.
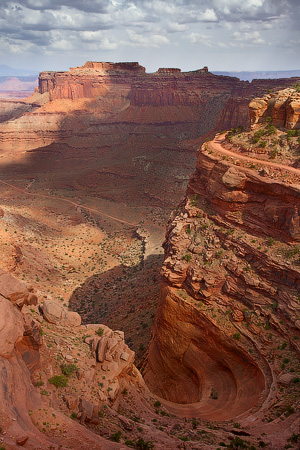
[238,443]
[271,130]
[143,445]
[297,86]
[194,200]
[259,133]
[68,369]
[187,257]
[44,392]
[292,133]
[100,331]
[157,404]
[58,381]
[195,423]
[115,437]
[263,144]
[273,153]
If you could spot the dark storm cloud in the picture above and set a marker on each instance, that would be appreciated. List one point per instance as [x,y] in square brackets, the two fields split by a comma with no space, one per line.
[95,6]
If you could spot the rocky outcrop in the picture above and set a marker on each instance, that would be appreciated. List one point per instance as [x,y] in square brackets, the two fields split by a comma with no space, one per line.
[27,368]
[55,313]
[12,289]
[230,290]
[282,107]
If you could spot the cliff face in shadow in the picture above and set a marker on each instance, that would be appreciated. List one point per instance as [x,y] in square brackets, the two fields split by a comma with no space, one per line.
[109,125]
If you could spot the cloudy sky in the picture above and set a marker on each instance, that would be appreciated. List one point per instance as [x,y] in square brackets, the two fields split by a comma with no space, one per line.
[222,34]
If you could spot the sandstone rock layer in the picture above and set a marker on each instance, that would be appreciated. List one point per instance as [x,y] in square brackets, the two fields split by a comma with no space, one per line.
[230,292]
[282,107]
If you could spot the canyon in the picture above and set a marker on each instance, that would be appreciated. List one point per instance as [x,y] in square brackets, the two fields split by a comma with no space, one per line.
[92,165]
[120,144]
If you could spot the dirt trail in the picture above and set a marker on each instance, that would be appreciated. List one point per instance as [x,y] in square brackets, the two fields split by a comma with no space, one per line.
[216,144]
[53,197]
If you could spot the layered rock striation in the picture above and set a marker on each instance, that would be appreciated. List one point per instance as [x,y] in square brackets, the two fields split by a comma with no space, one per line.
[101,112]
[229,302]
[100,98]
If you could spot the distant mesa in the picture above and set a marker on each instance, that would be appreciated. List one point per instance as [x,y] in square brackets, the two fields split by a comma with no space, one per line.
[92,79]
[114,67]
[168,70]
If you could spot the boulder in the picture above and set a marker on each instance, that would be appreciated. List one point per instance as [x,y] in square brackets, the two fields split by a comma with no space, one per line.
[13,289]
[94,345]
[71,319]
[71,401]
[56,313]
[88,411]
[53,311]
[102,349]
[32,299]
[32,333]
[112,344]
[285,379]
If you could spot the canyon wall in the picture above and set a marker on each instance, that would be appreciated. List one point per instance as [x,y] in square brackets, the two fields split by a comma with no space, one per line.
[229,301]
[118,109]
[97,96]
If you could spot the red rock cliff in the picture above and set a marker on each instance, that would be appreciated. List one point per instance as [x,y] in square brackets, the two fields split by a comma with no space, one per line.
[167,86]
[229,302]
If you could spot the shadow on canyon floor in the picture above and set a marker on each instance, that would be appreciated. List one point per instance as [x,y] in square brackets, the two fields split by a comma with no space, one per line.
[122,298]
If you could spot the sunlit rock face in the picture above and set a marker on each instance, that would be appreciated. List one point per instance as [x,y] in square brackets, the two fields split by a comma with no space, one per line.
[230,291]
[282,108]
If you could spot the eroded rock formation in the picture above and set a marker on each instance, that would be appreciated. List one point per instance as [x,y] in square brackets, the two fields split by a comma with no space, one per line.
[27,369]
[229,302]
[282,107]
[106,95]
